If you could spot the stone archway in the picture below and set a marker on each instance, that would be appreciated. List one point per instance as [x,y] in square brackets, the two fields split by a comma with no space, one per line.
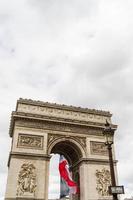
[38,129]
[68,147]
[73,152]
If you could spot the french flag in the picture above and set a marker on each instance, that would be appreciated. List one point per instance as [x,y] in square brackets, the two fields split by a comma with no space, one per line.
[68,186]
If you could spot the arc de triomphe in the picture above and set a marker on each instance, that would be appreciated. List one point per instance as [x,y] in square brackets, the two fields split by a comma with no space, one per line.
[39,129]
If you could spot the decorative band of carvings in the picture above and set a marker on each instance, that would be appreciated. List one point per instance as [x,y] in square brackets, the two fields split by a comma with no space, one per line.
[29,102]
[30,141]
[64,113]
[98,148]
[44,119]
[58,119]
[28,156]
[80,140]
[57,126]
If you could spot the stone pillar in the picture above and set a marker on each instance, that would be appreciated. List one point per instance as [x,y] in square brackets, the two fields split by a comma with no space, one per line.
[27,178]
[83,181]
[28,164]
[46,179]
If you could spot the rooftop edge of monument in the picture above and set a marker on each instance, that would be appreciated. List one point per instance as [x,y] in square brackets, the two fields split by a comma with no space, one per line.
[62,106]
[39,111]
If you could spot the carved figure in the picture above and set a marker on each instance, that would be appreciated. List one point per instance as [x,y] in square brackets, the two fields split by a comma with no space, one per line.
[26,179]
[103,181]
[30,141]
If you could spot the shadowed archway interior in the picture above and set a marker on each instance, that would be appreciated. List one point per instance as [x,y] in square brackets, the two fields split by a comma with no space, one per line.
[69,150]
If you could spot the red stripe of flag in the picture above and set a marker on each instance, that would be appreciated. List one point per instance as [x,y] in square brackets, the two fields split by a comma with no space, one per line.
[65,174]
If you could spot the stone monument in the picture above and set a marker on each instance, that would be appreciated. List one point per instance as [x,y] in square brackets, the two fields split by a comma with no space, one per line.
[41,128]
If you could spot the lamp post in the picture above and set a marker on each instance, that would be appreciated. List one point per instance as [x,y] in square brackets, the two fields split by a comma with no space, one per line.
[108,132]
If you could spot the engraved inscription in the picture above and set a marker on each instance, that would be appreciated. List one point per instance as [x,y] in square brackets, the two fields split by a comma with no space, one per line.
[30,141]
[103,181]
[98,148]
[26,180]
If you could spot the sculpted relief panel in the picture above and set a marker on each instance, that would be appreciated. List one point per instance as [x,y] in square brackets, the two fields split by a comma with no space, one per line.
[26,180]
[30,141]
[103,181]
[98,148]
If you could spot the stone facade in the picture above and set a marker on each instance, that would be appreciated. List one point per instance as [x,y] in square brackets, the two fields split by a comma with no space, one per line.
[39,129]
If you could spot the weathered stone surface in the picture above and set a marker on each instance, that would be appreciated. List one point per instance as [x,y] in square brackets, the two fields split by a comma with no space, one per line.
[39,129]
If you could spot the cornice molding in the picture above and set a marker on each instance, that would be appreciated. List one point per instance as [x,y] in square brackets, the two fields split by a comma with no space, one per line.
[38,111]
[24,155]
[53,120]
[62,106]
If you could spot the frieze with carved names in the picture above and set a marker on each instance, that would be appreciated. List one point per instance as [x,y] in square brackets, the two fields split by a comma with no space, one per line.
[30,141]
[59,127]
[26,183]
[103,181]
[98,148]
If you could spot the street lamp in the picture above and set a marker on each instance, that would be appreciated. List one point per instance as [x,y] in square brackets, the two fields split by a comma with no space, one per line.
[108,132]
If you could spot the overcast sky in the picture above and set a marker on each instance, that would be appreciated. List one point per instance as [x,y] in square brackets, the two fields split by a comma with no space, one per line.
[75,52]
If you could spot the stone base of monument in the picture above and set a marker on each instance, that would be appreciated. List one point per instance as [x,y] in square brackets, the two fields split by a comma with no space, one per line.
[26,196]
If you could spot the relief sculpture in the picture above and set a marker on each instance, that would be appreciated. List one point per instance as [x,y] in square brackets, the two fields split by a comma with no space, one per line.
[30,141]
[26,180]
[98,148]
[103,181]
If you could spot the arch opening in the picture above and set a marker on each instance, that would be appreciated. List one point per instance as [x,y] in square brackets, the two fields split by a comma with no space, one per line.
[73,153]
[69,149]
